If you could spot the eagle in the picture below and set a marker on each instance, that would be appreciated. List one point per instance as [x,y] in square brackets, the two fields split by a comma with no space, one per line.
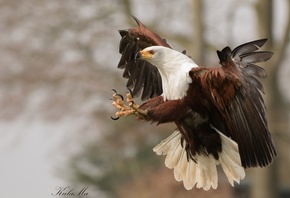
[219,113]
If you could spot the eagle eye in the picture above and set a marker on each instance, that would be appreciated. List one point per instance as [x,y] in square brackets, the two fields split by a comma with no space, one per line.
[151,52]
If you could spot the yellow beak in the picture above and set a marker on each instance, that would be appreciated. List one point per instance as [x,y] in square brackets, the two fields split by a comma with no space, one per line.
[143,54]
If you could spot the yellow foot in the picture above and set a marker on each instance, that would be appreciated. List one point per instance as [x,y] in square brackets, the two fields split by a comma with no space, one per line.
[126,110]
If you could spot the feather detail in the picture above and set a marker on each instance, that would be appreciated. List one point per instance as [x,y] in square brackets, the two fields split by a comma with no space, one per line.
[230,159]
[203,172]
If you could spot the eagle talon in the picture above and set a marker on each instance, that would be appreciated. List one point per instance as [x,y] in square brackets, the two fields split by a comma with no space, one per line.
[116,94]
[118,102]
[135,107]
[126,110]
[131,102]
[129,98]
[130,91]
[116,118]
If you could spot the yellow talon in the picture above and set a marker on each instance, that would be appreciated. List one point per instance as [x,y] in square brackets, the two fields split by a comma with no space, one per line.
[125,110]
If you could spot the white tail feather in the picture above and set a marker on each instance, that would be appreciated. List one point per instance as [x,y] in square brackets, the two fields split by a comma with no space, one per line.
[230,159]
[202,174]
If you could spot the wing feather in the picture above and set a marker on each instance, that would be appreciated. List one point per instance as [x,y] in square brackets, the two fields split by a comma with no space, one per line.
[246,118]
[234,92]
[248,47]
[142,76]
[255,70]
[253,57]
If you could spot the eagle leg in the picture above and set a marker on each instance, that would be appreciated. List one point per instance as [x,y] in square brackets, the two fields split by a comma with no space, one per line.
[141,113]
[118,102]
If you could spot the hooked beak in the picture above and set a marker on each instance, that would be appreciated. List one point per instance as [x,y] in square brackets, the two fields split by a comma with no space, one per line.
[144,55]
[138,55]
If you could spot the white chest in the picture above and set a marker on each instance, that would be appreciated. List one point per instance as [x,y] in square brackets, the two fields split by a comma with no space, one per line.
[175,83]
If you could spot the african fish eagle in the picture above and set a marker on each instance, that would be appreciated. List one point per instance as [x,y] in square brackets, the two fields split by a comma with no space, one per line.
[219,112]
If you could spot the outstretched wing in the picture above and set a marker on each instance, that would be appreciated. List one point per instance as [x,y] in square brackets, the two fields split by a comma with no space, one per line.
[234,92]
[142,76]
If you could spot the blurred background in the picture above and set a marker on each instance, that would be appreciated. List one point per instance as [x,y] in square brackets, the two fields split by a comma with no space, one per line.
[58,63]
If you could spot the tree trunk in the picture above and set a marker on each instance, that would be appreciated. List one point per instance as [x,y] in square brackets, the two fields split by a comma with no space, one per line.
[264,180]
[198,32]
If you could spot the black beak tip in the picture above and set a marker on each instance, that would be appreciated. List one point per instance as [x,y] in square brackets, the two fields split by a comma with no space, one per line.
[138,55]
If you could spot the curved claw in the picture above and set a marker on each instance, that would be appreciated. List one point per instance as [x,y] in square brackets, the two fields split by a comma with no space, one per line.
[116,118]
[114,90]
[131,93]
[119,95]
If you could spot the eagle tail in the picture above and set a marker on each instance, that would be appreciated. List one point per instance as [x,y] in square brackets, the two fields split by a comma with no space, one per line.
[202,172]
[230,159]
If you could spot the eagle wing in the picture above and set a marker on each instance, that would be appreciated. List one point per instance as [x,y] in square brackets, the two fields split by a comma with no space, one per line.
[234,92]
[142,76]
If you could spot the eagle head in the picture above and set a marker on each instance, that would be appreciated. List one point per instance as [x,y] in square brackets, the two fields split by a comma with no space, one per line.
[152,54]
[165,58]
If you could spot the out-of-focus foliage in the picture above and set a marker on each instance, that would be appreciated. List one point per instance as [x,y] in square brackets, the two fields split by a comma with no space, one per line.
[50,51]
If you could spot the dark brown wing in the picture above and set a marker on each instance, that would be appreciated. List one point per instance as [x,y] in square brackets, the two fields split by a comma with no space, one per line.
[142,76]
[234,94]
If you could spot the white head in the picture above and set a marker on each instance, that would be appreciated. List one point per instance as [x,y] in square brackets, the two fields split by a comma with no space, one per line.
[163,57]
[173,67]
